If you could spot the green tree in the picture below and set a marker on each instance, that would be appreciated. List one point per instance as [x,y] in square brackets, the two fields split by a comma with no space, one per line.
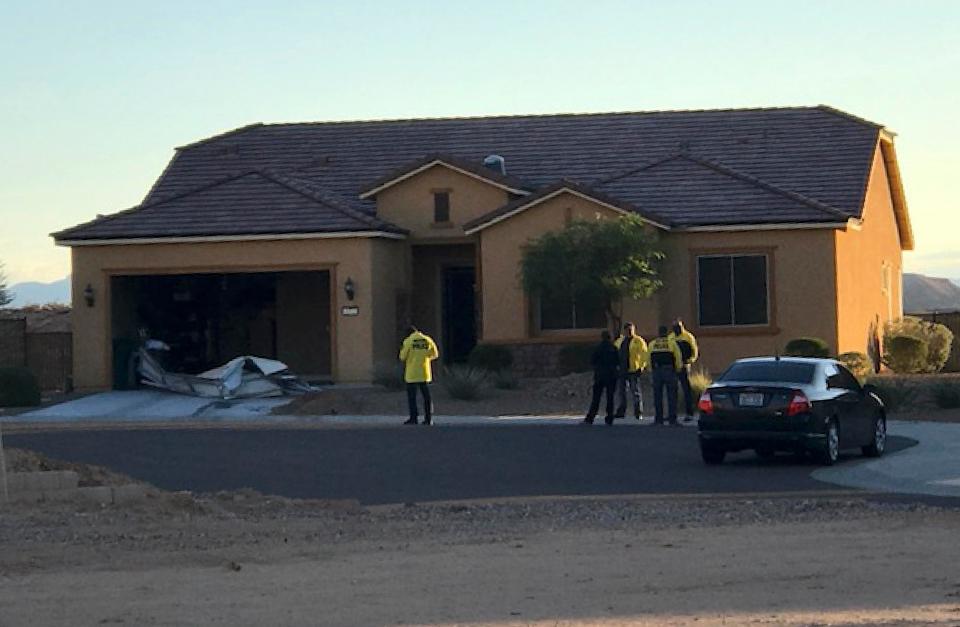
[608,260]
[6,297]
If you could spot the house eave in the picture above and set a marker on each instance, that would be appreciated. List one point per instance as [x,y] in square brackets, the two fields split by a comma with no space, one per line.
[198,239]
[852,223]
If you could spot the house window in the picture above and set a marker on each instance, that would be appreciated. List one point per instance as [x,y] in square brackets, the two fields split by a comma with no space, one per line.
[583,312]
[733,290]
[441,207]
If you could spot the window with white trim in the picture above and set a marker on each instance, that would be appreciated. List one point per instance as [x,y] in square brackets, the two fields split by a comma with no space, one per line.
[733,290]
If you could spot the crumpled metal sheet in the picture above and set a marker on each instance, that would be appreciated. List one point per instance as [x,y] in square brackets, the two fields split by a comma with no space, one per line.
[242,377]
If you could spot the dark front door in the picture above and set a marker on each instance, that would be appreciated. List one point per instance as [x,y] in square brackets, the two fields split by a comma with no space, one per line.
[459,314]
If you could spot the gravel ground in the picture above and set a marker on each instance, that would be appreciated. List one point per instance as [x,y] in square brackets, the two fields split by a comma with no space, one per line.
[211,523]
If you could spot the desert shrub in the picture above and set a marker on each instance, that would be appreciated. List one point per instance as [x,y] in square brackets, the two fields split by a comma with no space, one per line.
[857,363]
[700,380]
[465,383]
[896,393]
[505,380]
[905,354]
[18,388]
[946,394]
[574,358]
[491,357]
[807,347]
[937,337]
[389,374]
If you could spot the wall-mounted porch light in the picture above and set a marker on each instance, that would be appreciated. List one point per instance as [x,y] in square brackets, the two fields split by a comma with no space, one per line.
[89,296]
[349,288]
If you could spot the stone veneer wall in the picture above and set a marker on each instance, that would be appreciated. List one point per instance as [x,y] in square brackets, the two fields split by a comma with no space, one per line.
[537,360]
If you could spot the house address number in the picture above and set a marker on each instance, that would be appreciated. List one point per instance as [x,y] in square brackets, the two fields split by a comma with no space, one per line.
[350,310]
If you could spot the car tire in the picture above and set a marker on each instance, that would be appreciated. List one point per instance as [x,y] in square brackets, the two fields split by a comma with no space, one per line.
[765,453]
[879,443]
[712,455]
[830,452]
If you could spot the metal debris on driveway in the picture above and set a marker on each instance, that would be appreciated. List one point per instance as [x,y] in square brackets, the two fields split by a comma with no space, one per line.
[241,377]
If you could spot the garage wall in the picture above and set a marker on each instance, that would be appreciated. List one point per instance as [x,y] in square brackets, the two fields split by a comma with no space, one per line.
[93,265]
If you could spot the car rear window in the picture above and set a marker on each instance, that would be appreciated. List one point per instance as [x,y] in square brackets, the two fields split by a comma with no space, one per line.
[770,372]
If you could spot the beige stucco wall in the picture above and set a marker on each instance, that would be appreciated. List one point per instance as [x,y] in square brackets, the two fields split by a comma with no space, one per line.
[802,292]
[802,269]
[353,336]
[506,318]
[409,204]
[390,276]
[861,254]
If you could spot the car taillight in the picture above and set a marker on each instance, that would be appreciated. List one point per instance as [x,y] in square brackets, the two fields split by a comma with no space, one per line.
[799,404]
[706,403]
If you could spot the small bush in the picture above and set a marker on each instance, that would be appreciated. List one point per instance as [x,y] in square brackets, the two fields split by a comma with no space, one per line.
[700,380]
[905,354]
[895,393]
[807,347]
[946,394]
[858,363]
[575,358]
[465,383]
[505,380]
[18,388]
[938,338]
[490,357]
[389,374]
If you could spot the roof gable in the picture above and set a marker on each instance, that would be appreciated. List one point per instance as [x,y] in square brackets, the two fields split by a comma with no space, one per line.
[690,191]
[462,166]
[251,203]
[548,193]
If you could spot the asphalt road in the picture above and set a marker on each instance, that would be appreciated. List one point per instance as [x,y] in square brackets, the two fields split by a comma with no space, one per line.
[409,464]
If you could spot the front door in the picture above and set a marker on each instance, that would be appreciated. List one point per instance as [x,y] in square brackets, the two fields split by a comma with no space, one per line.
[459,314]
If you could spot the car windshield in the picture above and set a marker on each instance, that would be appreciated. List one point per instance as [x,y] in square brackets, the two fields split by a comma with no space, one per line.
[770,372]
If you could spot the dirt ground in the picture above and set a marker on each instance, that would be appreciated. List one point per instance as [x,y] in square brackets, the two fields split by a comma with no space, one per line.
[242,558]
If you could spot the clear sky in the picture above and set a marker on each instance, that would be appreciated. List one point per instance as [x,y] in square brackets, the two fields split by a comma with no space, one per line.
[96,94]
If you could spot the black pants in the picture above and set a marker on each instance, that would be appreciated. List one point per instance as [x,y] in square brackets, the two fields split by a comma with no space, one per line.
[412,400]
[683,378]
[665,377]
[599,387]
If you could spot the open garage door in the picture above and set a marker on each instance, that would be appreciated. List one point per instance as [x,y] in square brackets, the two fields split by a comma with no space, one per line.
[208,319]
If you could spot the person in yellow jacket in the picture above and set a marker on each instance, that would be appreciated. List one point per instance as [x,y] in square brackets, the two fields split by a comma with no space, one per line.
[633,359]
[417,352]
[665,362]
[689,352]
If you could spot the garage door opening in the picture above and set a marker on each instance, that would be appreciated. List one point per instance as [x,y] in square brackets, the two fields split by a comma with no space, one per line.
[208,319]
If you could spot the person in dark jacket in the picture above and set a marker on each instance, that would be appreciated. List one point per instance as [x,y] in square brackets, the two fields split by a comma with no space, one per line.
[665,362]
[605,361]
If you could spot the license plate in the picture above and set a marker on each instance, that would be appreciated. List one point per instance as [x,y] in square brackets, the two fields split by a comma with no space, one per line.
[751,400]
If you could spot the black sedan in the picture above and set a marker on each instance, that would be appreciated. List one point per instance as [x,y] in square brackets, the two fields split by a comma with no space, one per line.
[802,405]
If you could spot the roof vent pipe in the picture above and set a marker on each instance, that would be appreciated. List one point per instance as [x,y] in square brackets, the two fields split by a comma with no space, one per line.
[496,163]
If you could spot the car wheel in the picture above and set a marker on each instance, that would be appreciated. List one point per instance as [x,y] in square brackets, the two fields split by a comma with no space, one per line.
[712,455]
[765,452]
[830,452]
[879,443]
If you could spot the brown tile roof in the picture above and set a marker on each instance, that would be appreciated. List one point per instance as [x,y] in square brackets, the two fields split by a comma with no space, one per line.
[804,157]
[251,203]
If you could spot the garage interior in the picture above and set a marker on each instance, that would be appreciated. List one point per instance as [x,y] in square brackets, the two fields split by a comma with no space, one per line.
[208,319]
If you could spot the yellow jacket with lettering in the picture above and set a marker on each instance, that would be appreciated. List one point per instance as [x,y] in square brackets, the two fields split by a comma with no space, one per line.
[690,352]
[664,351]
[638,353]
[417,352]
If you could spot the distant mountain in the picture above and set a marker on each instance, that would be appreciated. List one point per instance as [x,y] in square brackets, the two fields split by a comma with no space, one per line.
[923,294]
[35,293]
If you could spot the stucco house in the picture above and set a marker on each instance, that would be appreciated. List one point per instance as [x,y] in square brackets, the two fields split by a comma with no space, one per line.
[315,242]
